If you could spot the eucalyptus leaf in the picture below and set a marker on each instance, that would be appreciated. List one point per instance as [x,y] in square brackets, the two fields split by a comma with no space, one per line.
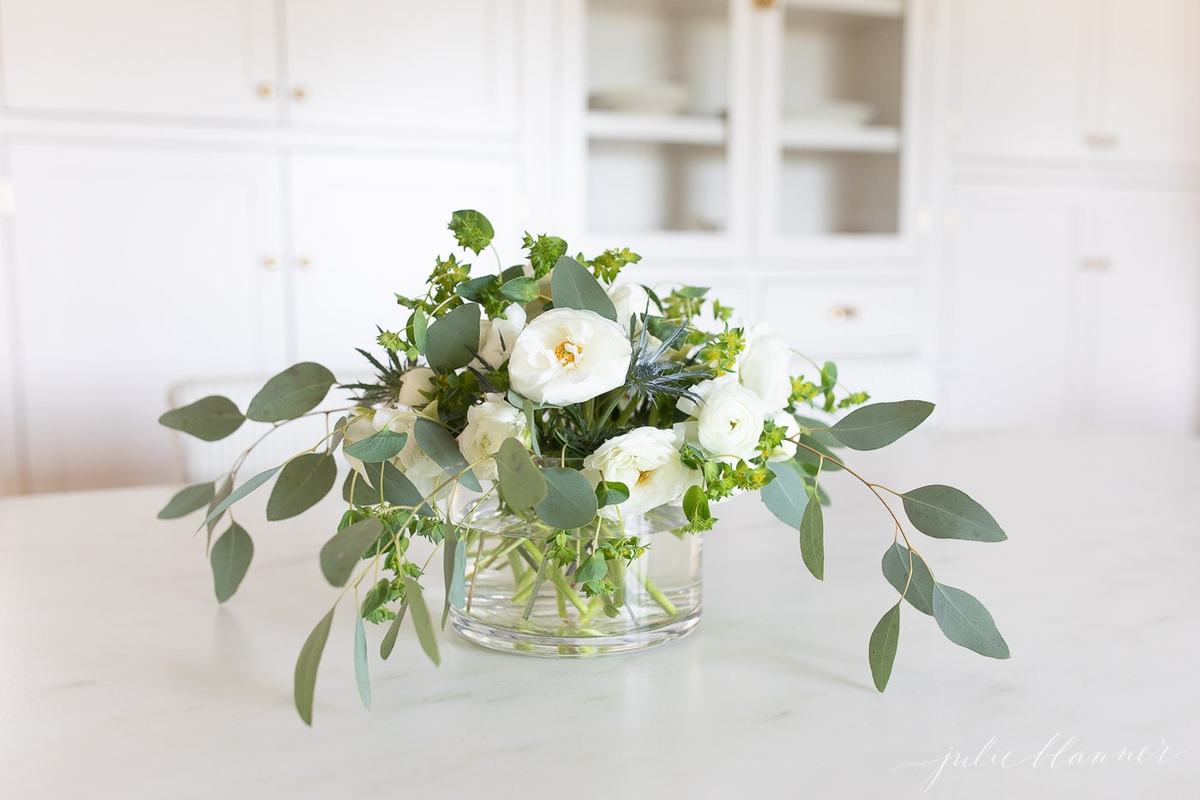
[805,454]
[339,433]
[437,443]
[230,559]
[343,551]
[881,651]
[303,482]
[593,568]
[223,490]
[398,490]
[786,496]
[818,430]
[187,500]
[375,598]
[306,666]
[419,324]
[572,286]
[389,637]
[475,288]
[966,622]
[209,418]
[452,340]
[362,675]
[298,389]
[522,485]
[946,513]
[357,490]
[520,290]
[472,230]
[570,501]
[240,492]
[880,424]
[895,569]
[379,446]
[420,615]
[812,540]
[450,548]
[611,493]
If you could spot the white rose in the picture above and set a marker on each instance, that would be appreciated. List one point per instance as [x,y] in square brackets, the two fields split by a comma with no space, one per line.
[630,300]
[488,425]
[416,387]
[498,336]
[786,449]
[763,367]
[729,419]
[567,356]
[647,461]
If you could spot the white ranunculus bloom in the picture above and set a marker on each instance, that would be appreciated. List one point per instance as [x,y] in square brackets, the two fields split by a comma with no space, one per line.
[498,336]
[488,425]
[630,300]
[416,387]
[763,367]
[647,461]
[786,449]
[567,356]
[729,418]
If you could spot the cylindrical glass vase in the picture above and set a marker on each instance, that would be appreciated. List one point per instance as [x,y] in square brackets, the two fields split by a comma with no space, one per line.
[521,598]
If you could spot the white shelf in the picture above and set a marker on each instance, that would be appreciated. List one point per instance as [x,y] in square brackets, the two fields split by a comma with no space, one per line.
[666,128]
[871,8]
[839,138]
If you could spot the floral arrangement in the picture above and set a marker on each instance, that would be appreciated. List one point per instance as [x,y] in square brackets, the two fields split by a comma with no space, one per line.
[552,419]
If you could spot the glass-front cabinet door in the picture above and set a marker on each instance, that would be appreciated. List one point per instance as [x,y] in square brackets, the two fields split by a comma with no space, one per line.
[831,100]
[666,109]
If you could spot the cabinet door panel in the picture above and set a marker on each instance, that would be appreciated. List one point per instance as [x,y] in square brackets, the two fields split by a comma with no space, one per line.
[1153,99]
[1142,342]
[366,228]
[136,269]
[1008,300]
[162,57]
[1017,83]
[447,66]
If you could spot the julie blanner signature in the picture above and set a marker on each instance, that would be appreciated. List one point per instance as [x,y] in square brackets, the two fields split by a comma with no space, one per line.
[1060,752]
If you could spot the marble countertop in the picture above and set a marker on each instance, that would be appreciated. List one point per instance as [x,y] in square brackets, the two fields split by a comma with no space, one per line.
[121,677]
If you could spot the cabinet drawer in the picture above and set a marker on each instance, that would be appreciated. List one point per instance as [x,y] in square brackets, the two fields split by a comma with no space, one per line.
[834,320]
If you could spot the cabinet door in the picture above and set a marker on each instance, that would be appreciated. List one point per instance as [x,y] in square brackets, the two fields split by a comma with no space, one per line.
[1017,84]
[163,57]
[11,452]
[1151,109]
[366,228]
[1142,341]
[136,269]
[1009,267]
[447,66]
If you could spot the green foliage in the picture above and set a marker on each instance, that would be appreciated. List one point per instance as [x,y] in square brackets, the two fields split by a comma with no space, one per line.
[544,252]
[471,229]
[682,304]
[437,443]
[209,418]
[881,650]
[695,508]
[309,660]
[230,560]
[223,490]
[343,551]
[880,424]
[522,484]
[572,287]
[240,492]
[421,621]
[187,500]
[362,675]
[520,290]
[593,569]
[389,638]
[812,540]
[896,565]
[296,390]
[374,604]
[965,621]
[451,341]
[391,341]
[946,513]
[608,265]
[379,446]
[721,353]
[301,485]
[786,496]
[611,493]
[570,501]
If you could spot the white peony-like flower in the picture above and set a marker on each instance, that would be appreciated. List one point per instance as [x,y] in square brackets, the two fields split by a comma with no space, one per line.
[729,419]
[630,299]
[786,449]
[567,356]
[416,386]
[488,425]
[647,461]
[763,367]
[498,336]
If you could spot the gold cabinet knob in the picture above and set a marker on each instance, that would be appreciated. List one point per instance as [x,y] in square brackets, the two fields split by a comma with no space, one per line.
[1095,264]
[764,3]
[299,94]
[304,262]
[270,262]
[265,90]
[842,313]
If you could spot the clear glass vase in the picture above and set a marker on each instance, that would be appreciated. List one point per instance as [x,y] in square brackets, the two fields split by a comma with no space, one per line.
[519,600]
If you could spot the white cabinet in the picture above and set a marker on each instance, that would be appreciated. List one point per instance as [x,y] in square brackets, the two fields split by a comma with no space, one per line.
[449,66]
[167,58]
[1141,297]
[1008,303]
[136,268]
[367,227]
[11,433]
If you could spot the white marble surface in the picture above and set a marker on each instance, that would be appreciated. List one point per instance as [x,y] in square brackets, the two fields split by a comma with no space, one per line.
[120,676]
